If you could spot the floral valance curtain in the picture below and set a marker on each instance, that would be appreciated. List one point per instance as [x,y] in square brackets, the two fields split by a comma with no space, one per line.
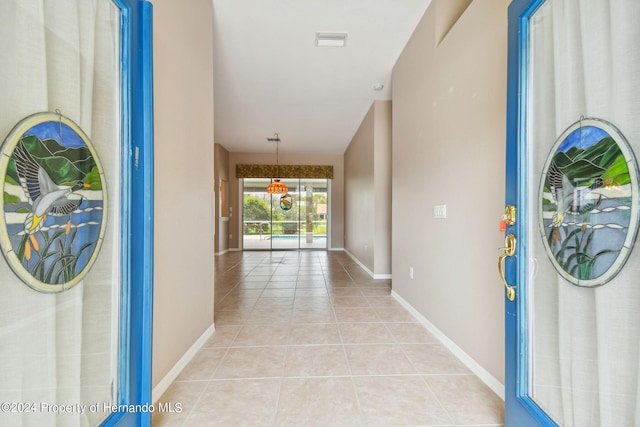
[284,171]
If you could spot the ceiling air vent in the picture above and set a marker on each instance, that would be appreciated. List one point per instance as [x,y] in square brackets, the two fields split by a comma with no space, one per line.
[331,39]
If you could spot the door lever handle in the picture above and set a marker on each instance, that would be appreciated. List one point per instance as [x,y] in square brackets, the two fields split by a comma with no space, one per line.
[509,250]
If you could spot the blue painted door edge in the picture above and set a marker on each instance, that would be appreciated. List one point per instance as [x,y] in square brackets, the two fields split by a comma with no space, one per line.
[134,398]
[520,409]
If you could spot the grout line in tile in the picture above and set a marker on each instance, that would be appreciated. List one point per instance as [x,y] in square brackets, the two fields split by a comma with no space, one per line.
[195,404]
[435,396]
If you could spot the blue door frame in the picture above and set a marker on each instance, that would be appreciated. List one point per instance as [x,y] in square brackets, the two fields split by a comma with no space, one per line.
[134,394]
[520,409]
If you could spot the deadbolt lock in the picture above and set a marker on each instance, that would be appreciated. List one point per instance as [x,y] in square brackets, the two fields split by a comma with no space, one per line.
[510,214]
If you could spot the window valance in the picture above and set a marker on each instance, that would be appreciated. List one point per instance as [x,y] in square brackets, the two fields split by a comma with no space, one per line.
[284,171]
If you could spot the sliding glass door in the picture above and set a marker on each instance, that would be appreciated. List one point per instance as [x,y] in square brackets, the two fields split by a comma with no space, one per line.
[285,218]
[297,221]
[313,213]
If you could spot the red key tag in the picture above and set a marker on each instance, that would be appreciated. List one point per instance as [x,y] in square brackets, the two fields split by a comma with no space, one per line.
[503,223]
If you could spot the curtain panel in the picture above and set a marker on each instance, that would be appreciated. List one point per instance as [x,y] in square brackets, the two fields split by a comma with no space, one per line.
[585,63]
[61,348]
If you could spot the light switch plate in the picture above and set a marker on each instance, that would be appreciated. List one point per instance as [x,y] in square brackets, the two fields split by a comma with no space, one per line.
[440,211]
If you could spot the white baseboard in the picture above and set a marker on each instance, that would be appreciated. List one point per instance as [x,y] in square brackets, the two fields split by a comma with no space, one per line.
[168,379]
[221,253]
[365,268]
[491,381]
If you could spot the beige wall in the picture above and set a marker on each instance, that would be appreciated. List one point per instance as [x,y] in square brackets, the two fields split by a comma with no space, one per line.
[449,148]
[184,208]
[336,214]
[221,172]
[367,163]
[383,186]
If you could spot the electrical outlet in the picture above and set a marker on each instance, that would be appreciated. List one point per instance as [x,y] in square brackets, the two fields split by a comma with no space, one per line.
[411,272]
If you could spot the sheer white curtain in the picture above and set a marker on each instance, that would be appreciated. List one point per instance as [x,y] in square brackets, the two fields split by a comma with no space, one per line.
[61,349]
[585,61]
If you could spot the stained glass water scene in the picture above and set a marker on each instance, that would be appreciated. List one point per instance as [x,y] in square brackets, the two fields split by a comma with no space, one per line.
[52,216]
[286,202]
[589,202]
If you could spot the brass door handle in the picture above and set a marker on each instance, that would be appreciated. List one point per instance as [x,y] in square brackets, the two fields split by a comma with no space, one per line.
[509,250]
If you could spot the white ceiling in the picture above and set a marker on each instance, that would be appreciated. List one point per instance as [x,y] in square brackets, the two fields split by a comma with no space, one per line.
[270,77]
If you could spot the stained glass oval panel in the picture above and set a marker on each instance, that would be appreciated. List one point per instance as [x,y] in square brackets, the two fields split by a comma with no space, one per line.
[588,211]
[286,202]
[52,216]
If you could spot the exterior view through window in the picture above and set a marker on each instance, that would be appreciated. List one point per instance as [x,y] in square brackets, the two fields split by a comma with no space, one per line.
[297,222]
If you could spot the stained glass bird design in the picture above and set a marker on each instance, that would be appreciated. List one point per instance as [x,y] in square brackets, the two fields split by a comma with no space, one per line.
[286,203]
[45,196]
[569,198]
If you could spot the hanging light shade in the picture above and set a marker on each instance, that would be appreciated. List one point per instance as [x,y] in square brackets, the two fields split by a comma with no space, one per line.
[277,187]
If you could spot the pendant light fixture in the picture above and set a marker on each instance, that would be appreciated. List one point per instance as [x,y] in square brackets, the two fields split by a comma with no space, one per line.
[277,187]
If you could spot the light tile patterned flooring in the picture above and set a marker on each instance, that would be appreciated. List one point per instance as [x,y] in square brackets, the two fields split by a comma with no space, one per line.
[309,339]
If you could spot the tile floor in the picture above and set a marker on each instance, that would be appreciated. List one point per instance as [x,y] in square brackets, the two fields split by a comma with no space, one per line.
[309,339]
